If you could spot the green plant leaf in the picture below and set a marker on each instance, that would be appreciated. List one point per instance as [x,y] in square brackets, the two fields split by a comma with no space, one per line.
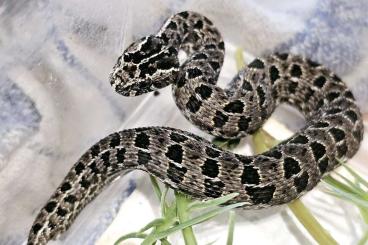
[195,205]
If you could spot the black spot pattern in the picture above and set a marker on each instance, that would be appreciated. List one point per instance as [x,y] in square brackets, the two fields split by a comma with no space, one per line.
[212,152]
[70,199]
[301,182]
[243,123]
[142,140]
[143,157]
[234,107]
[61,212]
[261,96]
[296,71]
[193,104]
[352,116]
[300,139]
[213,188]
[120,155]
[318,150]
[291,167]
[341,150]
[260,194]
[204,91]
[250,175]
[178,138]
[194,72]
[323,164]
[50,206]
[36,228]
[210,168]
[115,140]
[337,133]
[220,119]
[79,168]
[175,153]
[274,74]
[274,154]
[320,81]
[65,187]
[257,63]
[176,174]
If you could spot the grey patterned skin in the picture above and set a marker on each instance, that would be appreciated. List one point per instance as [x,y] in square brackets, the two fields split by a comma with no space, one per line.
[193,165]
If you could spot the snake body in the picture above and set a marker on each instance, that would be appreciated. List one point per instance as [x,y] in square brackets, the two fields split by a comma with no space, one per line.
[193,165]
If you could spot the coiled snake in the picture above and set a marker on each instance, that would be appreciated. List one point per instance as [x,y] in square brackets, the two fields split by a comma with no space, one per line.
[190,163]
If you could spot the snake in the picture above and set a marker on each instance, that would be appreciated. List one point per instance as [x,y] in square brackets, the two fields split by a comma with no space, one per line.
[191,164]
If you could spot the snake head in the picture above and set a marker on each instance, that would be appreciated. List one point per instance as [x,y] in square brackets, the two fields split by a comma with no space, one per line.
[146,65]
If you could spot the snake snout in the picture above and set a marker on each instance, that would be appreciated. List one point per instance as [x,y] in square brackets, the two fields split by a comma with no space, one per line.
[146,65]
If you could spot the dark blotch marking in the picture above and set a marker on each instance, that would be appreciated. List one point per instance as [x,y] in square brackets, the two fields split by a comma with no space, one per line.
[221,45]
[312,63]
[142,140]
[178,138]
[193,104]
[352,116]
[318,150]
[65,187]
[333,95]
[212,152]
[210,168]
[296,71]
[274,74]
[79,168]
[247,86]
[181,81]
[320,125]
[220,119]
[213,188]
[274,154]
[200,56]
[333,111]
[234,107]
[94,168]
[260,194]
[184,14]
[322,165]
[341,150]
[257,63]
[320,81]
[172,25]
[95,150]
[106,158]
[214,65]
[291,167]
[243,123]
[301,182]
[349,94]
[70,199]
[198,24]
[36,228]
[261,95]
[250,175]
[204,91]
[143,157]
[300,139]
[120,155]
[194,72]
[175,173]
[115,140]
[337,133]
[292,86]
[84,183]
[175,153]
[50,206]
[61,212]
[282,56]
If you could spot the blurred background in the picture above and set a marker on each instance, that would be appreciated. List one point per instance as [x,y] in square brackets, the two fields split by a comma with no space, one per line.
[55,102]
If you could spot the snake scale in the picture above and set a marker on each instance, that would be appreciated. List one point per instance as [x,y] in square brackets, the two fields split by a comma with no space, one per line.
[193,165]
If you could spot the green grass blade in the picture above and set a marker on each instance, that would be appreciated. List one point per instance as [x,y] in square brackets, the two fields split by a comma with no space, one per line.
[156,187]
[151,224]
[212,202]
[129,236]
[230,233]
[182,202]
[194,221]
